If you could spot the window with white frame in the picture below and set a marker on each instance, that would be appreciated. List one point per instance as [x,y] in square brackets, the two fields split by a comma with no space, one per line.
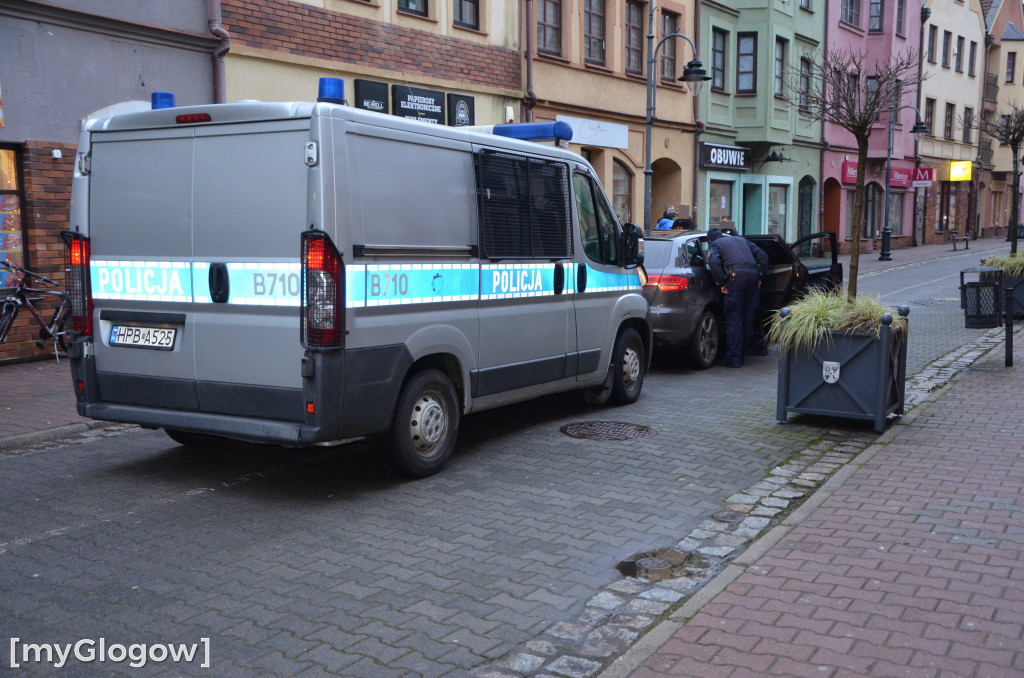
[780,67]
[746,63]
[849,12]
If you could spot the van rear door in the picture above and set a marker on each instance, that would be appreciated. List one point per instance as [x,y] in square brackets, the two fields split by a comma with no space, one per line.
[249,208]
[140,217]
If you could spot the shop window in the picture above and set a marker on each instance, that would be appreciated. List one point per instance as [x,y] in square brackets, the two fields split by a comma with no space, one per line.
[11,231]
[622,192]
[896,213]
[720,207]
[778,208]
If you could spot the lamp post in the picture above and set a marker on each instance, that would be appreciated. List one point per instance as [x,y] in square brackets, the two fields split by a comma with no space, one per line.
[692,72]
[918,128]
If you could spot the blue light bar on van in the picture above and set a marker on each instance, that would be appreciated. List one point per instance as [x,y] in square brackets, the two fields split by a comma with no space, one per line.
[529,131]
[332,91]
[160,100]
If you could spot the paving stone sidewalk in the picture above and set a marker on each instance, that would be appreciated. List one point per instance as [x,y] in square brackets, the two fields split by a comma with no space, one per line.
[908,562]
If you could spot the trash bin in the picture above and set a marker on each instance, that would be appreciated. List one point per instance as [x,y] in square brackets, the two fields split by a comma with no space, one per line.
[982,299]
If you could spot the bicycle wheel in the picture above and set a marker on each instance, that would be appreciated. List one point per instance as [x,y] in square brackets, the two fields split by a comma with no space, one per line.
[10,312]
[58,322]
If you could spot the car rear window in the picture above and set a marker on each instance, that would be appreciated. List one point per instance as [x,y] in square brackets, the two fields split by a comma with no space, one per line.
[657,253]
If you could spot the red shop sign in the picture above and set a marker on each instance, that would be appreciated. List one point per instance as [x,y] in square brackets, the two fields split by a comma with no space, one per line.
[900,177]
[849,172]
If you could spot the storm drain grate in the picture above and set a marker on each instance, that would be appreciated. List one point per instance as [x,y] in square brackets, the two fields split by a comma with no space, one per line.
[606,430]
[728,516]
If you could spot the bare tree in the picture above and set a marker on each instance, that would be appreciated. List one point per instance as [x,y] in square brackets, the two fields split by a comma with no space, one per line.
[1007,128]
[843,88]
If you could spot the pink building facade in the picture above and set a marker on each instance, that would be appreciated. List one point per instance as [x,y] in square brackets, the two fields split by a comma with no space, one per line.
[878,29]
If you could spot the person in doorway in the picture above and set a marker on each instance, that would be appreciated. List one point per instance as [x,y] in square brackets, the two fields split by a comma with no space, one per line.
[736,265]
[667,220]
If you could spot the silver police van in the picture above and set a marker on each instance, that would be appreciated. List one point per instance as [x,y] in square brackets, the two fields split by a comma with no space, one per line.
[309,273]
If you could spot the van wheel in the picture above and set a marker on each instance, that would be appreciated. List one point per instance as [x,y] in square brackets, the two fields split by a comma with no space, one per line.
[426,425]
[628,362]
[199,440]
[707,341]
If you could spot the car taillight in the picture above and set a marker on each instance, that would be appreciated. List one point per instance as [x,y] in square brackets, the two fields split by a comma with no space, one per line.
[668,283]
[322,280]
[76,278]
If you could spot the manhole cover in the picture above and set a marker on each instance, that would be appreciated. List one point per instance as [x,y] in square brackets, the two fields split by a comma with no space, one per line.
[605,430]
[728,516]
[656,565]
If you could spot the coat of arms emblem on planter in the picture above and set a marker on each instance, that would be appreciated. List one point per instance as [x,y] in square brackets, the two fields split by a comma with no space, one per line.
[830,371]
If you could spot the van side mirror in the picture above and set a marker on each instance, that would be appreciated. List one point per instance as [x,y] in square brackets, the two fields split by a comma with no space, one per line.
[632,246]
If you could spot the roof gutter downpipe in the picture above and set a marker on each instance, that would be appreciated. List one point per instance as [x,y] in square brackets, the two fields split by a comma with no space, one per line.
[530,99]
[219,75]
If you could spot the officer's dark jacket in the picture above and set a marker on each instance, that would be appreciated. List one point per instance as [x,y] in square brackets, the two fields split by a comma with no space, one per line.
[731,254]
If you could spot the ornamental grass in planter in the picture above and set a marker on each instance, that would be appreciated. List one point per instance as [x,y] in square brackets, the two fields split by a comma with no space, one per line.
[841,357]
[1013,277]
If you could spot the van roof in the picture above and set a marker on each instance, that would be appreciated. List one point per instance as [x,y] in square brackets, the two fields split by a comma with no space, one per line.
[260,111]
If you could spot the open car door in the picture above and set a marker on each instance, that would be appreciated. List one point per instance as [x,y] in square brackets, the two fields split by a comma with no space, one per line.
[818,253]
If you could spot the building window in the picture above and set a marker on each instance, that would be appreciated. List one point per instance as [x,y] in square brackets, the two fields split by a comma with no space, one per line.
[875,16]
[593,31]
[1011,65]
[746,63]
[874,199]
[780,67]
[805,83]
[968,124]
[634,37]
[849,12]
[12,241]
[622,192]
[1004,124]
[720,202]
[901,11]
[549,26]
[778,209]
[929,115]
[947,128]
[413,6]
[669,25]
[933,33]
[947,206]
[718,46]
[947,43]
[896,212]
[805,4]
[971,58]
[467,13]
[958,58]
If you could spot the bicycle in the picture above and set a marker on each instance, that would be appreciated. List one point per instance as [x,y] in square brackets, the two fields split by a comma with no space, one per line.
[30,289]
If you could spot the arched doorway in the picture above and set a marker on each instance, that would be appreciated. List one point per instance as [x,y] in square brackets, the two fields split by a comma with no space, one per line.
[666,186]
[833,205]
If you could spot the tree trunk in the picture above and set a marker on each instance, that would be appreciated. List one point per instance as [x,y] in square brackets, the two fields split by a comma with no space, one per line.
[1015,201]
[858,217]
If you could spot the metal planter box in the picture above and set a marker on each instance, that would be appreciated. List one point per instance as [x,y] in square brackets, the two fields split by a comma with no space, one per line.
[854,376]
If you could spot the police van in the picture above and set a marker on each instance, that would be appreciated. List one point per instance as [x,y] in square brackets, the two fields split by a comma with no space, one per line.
[310,273]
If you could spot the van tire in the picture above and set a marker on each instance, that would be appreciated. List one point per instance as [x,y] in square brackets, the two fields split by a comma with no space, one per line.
[628,365]
[707,340]
[197,440]
[426,425]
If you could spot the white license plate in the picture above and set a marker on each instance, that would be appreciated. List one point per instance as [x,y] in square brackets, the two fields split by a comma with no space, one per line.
[138,336]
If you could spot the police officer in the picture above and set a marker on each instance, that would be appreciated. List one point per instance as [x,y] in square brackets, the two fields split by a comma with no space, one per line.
[736,265]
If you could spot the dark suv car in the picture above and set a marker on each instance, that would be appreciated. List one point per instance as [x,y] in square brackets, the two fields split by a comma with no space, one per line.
[686,305]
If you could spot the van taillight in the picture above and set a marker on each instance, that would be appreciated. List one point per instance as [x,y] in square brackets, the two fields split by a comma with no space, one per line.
[322,279]
[76,278]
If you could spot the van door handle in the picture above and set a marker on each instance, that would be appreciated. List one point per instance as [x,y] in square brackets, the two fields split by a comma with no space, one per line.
[581,278]
[559,278]
[220,283]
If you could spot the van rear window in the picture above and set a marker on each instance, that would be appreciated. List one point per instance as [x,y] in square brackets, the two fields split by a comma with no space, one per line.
[524,206]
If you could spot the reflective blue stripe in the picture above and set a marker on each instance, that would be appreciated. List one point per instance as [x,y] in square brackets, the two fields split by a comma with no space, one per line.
[265,283]
[602,281]
[141,280]
[511,281]
[395,284]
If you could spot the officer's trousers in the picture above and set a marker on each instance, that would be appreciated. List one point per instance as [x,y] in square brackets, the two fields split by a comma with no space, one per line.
[740,306]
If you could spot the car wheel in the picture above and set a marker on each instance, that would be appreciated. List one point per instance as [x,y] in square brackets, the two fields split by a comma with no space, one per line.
[628,363]
[426,425]
[707,340]
[197,440]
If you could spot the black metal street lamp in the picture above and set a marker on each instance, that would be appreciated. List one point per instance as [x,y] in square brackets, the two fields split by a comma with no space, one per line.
[692,72]
[918,128]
